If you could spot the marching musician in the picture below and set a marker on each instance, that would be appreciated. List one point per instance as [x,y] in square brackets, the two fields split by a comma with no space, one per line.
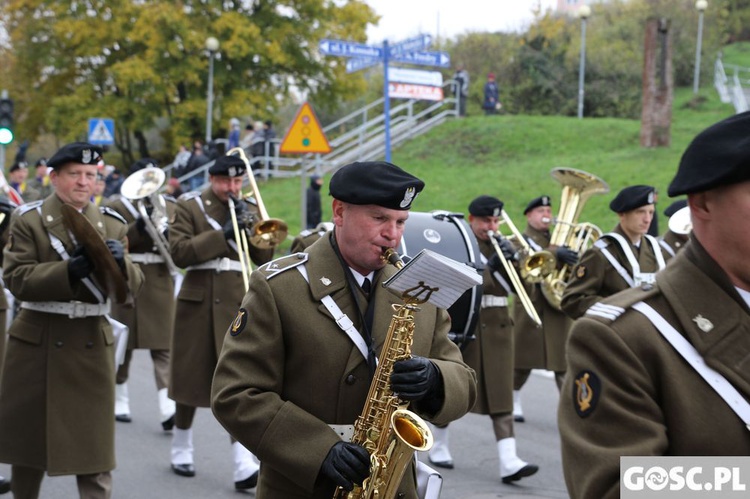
[539,347]
[17,175]
[291,380]
[204,243]
[58,381]
[150,318]
[621,259]
[308,236]
[665,371]
[41,182]
[672,241]
[491,353]
[6,208]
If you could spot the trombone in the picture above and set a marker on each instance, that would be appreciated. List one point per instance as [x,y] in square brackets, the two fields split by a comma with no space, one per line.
[534,266]
[243,248]
[528,306]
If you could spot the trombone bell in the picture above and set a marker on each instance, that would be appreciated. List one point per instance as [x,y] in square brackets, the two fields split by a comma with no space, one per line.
[267,234]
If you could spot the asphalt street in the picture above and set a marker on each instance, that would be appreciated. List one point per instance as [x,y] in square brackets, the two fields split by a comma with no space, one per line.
[143,452]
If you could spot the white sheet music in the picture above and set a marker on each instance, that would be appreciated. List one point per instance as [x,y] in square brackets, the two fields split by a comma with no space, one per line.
[451,278]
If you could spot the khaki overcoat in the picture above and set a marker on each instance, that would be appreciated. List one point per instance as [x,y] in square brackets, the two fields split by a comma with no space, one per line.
[287,371]
[207,301]
[57,391]
[642,398]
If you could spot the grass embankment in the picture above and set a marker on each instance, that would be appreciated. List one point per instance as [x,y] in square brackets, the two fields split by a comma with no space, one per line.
[511,157]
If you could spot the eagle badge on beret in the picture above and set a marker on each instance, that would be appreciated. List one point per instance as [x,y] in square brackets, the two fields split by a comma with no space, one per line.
[408,197]
[586,392]
[86,156]
[581,272]
[239,322]
[496,212]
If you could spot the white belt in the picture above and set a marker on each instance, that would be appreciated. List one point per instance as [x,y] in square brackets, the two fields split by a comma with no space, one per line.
[146,258]
[345,431]
[219,265]
[73,309]
[494,301]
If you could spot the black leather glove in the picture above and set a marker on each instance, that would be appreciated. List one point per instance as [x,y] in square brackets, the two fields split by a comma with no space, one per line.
[140,225]
[495,264]
[415,378]
[228,229]
[79,265]
[566,255]
[509,252]
[346,464]
[118,252]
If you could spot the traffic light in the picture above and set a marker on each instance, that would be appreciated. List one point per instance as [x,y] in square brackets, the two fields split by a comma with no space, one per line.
[6,121]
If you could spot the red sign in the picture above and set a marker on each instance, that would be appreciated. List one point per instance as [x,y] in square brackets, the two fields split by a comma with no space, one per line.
[410,91]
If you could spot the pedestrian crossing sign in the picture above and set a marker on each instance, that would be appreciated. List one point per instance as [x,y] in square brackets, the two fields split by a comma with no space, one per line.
[305,134]
[101,131]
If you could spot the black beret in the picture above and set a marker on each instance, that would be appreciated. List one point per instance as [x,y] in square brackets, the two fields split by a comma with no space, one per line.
[485,206]
[537,202]
[375,182]
[144,163]
[633,197]
[41,162]
[719,155]
[76,152]
[674,207]
[230,166]
[17,166]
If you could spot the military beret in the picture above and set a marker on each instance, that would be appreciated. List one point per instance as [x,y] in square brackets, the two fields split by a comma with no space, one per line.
[41,162]
[375,182]
[719,155]
[633,197]
[485,206]
[144,163]
[674,207]
[537,202]
[230,166]
[17,166]
[76,152]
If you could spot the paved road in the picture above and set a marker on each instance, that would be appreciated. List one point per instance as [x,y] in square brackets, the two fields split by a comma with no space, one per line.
[143,452]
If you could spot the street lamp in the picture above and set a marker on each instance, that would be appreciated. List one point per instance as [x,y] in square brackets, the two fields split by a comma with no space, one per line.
[584,12]
[700,5]
[212,44]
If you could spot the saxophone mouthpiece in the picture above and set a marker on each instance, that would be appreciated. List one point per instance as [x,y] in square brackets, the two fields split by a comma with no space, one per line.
[391,256]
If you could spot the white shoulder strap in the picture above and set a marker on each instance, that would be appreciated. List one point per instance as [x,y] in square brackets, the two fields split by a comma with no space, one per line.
[657,252]
[497,275]
[666,247]
[715,380]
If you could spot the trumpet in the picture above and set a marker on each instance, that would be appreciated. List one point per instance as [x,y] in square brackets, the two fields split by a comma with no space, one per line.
[528,306]
[534,265]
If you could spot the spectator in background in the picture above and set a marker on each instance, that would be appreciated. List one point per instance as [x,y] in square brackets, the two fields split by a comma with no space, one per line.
[461,88]
[174,188]
[247,139]
[269,134]
[258,145]
[313,210]
[197,159]
[180,161]
[17,176]
[99,188]
[113,182]
[234,133]
[491,104]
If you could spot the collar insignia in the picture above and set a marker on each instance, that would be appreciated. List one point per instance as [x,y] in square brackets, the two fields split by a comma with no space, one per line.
[408,197]
[326,281]
[703,324]
[49,218]
[581,272]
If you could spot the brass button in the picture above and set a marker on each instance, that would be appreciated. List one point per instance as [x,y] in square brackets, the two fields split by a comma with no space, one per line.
[351,379]
[58,344]
[89,344]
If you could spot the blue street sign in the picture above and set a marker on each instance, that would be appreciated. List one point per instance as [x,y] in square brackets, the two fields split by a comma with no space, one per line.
[420,42]
[101,131]
[441,59]
[355,64]
[349,49]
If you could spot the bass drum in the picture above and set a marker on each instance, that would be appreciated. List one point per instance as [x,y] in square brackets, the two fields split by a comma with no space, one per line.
[448,234]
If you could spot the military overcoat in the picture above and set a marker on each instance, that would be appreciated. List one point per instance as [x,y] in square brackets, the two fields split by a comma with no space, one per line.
[208,300]
[638,396]
[539,347]
[595,278]
[287,371]
[57,391]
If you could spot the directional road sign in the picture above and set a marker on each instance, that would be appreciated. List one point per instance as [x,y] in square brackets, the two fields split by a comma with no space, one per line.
[101,131]
[348,49]
[355,64]
[420,42]
[441,59]
[416,76]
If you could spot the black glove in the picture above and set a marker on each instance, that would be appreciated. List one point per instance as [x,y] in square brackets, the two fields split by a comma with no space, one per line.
[346,464]
[118,252]
[140,225]
[228,229]
[509,252]
[415,378]
[566,255]
[79,265]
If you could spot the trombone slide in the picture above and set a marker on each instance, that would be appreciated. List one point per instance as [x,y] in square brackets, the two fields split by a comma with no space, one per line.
[243,248]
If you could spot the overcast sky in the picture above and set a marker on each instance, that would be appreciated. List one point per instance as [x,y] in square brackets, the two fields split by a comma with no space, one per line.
[403,18]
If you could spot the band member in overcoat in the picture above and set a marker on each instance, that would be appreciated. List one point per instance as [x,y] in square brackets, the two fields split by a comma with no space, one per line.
[58,381]
[6,208]
[202,241]
[290,381]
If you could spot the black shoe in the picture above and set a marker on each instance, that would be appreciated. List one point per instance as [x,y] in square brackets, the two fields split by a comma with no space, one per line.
[519,418]
[4,485]
[247,483]
[184,469]
[168,424]
[123,418]
[527,470]
[442,464]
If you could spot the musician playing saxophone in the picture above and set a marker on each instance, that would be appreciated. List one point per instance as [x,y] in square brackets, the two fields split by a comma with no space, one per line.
[291,381]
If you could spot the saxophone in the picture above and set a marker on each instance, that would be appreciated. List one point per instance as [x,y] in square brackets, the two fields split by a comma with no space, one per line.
[389,431]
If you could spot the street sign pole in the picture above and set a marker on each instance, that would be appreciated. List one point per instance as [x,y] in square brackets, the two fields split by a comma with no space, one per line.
[387,104]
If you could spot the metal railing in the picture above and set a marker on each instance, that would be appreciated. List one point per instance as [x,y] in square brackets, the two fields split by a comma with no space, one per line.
[732,89]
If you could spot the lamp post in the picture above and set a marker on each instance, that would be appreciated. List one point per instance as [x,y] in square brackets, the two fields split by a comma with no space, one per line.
[212,44]
[583,12]
[700,5]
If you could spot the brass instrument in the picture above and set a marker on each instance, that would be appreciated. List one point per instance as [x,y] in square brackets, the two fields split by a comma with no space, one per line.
[578,187]
[533,266]
[515,281]
[390,432]
[680,221]
[243,248]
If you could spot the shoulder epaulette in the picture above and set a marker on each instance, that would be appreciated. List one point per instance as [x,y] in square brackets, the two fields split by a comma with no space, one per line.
[24,208]
[305,232]
[602,242]
[275,267]
[190,195]
[106,210]
[612,307]
[169,198]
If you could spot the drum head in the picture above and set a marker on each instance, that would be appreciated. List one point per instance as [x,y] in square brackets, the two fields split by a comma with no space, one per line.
[449,235]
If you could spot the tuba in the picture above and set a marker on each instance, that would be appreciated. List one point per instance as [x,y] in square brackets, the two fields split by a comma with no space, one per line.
[390,432]
[578,187]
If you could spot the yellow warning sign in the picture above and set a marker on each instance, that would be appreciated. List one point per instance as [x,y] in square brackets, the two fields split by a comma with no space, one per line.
[305,135]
